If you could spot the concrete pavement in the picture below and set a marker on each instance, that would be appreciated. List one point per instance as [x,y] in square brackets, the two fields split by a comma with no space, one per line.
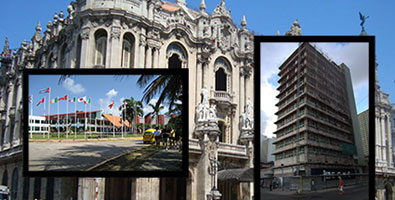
[76,156]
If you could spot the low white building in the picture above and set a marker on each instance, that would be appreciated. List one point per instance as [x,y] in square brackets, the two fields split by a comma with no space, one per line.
[38,125]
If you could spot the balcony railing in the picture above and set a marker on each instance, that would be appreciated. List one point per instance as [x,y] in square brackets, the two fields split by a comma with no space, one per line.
[221,96]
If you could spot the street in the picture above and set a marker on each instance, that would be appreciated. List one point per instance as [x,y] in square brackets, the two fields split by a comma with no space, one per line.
[352,192]
[75,156]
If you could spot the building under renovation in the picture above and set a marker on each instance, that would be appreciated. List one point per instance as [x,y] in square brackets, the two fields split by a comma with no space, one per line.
[317,126]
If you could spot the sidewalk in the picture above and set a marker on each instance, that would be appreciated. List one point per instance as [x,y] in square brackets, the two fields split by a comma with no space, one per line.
[86,140]
[280,191]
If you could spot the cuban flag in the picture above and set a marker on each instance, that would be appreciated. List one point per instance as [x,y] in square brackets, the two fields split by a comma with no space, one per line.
[111,105]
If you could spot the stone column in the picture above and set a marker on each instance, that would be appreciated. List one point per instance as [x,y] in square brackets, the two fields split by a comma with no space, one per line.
[142,44]
[389,133]
[86,58]
[9,117]
[16,140]
[377,145]
[241,95]
[115,52]
[148,58]
[156,58]
[384,146]
[199,78]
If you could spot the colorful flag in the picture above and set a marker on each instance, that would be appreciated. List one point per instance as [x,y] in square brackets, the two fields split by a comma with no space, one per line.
[111,105]
[42,101]
[54,100]
[72,100]
[82,99]
[44,91]
[89,101]
[124,105]
[63,98]
[30,99]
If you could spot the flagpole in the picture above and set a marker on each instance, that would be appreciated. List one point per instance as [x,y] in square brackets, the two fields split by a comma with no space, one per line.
[90,110]
[31,114]
[143,121]
[67,117]
[123,106]
[49,111]
[113,120]
[75,120]
[58,120]
[85,121]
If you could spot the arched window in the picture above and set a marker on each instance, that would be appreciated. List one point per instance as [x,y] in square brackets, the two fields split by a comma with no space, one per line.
[220,80]
[14,184]
[62,60]
[127,59]
[177,56]
[5,178]
[100,47]
[222,74]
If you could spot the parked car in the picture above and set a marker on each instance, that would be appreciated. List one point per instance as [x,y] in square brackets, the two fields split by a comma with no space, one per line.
[149,136]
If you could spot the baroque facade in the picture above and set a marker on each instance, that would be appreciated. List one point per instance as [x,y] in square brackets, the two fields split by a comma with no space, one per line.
[384,164]
[144,34]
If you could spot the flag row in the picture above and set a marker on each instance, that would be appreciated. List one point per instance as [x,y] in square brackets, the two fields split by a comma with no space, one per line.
[65,98]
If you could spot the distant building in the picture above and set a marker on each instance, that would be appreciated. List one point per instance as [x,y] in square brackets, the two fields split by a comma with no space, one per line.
[317,126]
[38,125]
[363,118]
[267,149]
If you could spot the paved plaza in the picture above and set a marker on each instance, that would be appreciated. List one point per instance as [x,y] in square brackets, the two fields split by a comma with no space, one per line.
[76,156]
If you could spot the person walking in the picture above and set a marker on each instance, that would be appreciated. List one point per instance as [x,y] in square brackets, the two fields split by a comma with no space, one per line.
[166,134]
[312,185]
[157,135]
[341,189]
[271,184]
[172,138]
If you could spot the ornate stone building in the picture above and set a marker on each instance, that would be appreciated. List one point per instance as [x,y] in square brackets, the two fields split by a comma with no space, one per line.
[144,34]
[384,165]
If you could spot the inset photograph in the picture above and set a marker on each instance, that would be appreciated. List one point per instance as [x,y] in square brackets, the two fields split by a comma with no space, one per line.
[314,121]
[105,123]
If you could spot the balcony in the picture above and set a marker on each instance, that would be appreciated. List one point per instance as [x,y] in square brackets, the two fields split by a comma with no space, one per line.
[222,97]
[225,150]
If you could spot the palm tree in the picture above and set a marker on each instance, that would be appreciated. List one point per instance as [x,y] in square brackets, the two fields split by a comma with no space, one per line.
[133,108]
[155,113]
[168,86]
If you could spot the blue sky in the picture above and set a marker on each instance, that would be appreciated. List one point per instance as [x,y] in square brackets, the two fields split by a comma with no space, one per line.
[354,55]
[101,89]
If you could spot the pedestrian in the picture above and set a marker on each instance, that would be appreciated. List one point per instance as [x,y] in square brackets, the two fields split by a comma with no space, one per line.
[312,185]
[166,134]
[172,138]
[157,135]
[341,189]
[271,185]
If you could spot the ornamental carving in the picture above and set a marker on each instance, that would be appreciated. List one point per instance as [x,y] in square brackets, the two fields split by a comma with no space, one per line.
[115,32]
[85,33]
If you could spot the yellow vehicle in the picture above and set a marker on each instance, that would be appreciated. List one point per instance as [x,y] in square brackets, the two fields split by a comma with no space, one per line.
[149,136]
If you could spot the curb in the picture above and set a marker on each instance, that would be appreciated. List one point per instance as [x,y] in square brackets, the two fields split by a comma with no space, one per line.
[114,158]
[82,140]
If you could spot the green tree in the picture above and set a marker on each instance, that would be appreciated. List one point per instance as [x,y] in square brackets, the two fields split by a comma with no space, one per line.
[133,108]
[156,111]
[169,88]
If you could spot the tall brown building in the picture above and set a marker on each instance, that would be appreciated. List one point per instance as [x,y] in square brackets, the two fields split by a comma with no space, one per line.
[317,127]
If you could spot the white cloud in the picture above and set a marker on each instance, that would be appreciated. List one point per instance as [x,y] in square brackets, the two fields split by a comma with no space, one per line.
[112,93]
[70,85]
[268,108]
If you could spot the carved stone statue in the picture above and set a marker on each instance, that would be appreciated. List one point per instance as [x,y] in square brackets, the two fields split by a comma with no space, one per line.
[247,120]
[202,110]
